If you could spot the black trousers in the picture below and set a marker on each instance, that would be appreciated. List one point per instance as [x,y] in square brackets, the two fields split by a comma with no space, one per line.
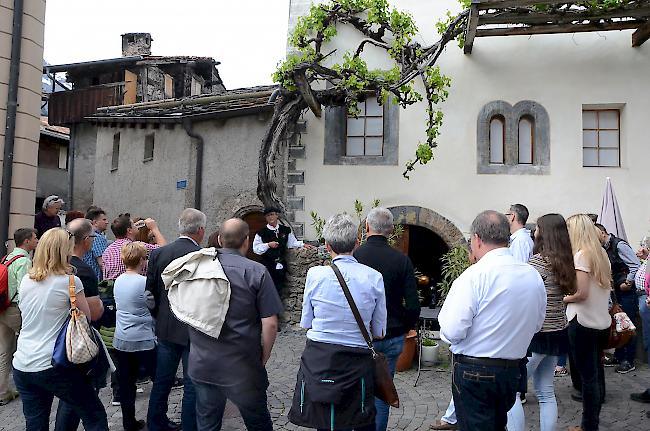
[586,361]
[127,375]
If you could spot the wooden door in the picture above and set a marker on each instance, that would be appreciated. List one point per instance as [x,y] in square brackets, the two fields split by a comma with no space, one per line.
[255,221]
[402,243]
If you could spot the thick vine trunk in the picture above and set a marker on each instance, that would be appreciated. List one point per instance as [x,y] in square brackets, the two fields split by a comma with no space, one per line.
[286,113]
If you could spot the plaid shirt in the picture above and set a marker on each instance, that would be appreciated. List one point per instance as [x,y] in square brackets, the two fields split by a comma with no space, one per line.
[90,258]
[113,265]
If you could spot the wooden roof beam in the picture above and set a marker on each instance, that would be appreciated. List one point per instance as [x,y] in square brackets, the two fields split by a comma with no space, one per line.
[500,4]
[561,28]
[470,33]
[542,18]
[641,35]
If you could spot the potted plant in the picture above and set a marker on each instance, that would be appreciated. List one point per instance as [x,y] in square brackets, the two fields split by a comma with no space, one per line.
[430,349]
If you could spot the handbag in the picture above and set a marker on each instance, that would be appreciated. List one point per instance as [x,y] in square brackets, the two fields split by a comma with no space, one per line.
[384,387]
[75,343]
[621,330]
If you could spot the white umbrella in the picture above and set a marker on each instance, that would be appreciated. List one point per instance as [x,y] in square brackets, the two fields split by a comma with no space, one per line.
[610,215]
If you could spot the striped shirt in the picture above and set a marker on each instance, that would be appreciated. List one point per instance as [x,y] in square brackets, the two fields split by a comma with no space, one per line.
[555,309]
[113,265]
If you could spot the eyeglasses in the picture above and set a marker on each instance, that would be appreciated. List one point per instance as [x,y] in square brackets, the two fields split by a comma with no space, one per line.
[93,236]
[70,234]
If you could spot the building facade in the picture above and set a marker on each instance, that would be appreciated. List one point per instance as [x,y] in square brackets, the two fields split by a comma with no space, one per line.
[539,120]
[26,143]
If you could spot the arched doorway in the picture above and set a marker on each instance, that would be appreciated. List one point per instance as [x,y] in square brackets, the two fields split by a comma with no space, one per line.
[255,221]
[427,237]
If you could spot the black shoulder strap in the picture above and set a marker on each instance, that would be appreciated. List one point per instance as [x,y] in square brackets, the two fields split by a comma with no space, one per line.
[353,307]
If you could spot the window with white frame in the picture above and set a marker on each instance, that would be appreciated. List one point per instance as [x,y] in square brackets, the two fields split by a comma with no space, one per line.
[365,133]
[497,139]
[601,137]
[526,140]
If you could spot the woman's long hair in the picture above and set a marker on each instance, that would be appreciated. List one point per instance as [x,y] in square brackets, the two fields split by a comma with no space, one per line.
[553,243]
[584,237]
[52,255]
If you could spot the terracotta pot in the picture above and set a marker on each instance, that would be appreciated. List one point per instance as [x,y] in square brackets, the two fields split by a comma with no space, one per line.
[405,359]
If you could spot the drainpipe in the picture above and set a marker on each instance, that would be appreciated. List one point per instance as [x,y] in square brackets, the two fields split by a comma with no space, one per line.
[10,131]
[187,125]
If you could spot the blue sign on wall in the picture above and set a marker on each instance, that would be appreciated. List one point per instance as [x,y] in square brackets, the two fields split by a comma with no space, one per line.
[180,185]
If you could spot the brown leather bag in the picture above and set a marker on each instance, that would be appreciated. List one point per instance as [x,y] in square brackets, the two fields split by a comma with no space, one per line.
[617,339]
[384,387]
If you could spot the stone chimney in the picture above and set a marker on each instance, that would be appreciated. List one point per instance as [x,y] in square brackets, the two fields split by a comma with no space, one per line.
[136,44]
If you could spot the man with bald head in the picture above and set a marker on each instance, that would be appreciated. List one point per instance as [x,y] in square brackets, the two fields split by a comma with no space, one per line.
[233,366]
[491,313]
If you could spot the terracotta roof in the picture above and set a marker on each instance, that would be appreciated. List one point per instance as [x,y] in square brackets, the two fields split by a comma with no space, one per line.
[229,103]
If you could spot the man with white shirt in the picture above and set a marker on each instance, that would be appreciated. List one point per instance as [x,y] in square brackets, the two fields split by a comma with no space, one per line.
[489,317]
[521,242]
[271,243]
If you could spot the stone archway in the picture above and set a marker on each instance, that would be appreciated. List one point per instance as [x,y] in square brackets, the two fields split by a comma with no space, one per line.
[424,217]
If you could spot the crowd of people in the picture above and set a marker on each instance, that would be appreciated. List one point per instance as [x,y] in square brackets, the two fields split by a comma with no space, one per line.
[527,300]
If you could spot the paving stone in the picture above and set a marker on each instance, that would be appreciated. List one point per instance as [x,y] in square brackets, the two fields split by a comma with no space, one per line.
[420,407]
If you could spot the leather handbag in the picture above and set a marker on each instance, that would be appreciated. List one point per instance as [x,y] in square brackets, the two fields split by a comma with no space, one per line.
[621,330]
[76,342]
[384,387]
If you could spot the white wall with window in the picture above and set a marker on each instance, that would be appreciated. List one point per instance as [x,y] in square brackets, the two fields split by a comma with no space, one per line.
[566,74]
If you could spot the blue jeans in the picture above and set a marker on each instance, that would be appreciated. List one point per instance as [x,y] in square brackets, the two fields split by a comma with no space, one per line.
[168,356]
[644,311]
[38,389]
[251,402]
[391,347]
[630,304]
[542,369]
[483,395]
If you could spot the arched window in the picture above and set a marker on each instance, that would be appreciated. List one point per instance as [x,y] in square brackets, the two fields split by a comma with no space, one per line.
[526,140]
[497,139]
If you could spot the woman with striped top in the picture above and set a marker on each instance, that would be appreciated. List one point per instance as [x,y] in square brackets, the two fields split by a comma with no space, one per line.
[553,259]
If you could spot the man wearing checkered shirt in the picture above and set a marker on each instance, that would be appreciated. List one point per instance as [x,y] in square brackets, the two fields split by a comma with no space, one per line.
[125,231]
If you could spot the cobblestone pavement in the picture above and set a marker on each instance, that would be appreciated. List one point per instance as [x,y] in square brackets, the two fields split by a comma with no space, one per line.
[421,405]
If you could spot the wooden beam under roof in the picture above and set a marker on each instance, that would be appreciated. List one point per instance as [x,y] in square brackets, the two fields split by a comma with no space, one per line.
[561,18]
[500,4]
[559,28]
[470,33]
[641,35]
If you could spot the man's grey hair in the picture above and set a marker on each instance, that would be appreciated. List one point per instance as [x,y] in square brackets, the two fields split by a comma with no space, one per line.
[190,221]
[340,232]
[521,212]
[80,228]
[491,227]
[380,220]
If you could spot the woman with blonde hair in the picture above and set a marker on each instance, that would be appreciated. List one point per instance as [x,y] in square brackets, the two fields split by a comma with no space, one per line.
[588,316]
[44,305]
[135,340]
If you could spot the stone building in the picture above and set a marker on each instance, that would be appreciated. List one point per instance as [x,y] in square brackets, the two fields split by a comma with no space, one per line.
[541,120]
[136,77]
[24,59]
[155,159]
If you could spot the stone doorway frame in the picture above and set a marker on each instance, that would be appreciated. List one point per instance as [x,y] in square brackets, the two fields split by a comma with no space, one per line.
[424,217]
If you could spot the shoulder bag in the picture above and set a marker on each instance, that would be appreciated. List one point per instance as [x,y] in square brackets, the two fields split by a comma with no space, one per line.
[384,386]
[621,330]
[75,343]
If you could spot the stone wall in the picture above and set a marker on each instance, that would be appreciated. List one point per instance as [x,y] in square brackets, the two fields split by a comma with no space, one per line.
[298,263]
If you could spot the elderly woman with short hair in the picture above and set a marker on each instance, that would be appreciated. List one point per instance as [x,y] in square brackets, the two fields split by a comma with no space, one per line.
[334,387]
[48,217]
